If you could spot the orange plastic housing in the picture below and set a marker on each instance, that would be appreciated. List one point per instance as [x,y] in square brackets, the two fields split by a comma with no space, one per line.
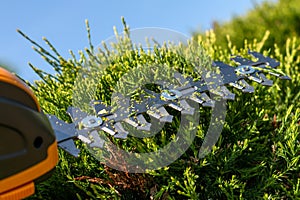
[7,77]
[21,185]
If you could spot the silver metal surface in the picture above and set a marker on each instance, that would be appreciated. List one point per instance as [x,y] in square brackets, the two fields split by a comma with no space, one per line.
[245,70]
[86,127]
[171,94]
[91,121]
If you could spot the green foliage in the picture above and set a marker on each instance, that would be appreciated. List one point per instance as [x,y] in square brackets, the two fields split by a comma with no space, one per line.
[256,157]
[278,18]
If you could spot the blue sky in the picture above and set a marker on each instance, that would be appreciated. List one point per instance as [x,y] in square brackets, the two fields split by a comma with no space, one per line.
[63,23]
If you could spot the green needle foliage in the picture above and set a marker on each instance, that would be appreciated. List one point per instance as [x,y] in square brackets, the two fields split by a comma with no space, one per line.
[279,18]
[256,157]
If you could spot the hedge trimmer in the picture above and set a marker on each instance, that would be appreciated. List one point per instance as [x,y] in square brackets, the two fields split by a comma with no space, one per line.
[29,138]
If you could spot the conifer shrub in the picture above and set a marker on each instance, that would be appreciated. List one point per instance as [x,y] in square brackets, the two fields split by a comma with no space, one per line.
[256,157]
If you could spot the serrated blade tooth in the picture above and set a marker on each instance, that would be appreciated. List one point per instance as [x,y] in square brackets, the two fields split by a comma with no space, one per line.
[187,109]
[224,93]
[196,99]
[96,140]
[108,129]
[65,133]
[187,91]
[111,116]
[228,95]
[261,58]
[241,60]
[62,130]
[141,119]
[121,135]
[202,99]
[161,114]
[100,108]
[62,136]
[168,118]
[83,131]
[144,125]
[274,74]
[285,77]
[217,92]
[175,106]
[254,77]
[131,121]
[165,116]
[180,78]
[84,139]
[121,132]
[120,129]
[208,102]
[266,82]
[76,114]
[153,114]
[247,88]
[236,85]
[69,146]
[139,122]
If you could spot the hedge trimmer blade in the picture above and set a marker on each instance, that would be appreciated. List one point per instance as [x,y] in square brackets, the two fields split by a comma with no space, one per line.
[65,134]
[85,127]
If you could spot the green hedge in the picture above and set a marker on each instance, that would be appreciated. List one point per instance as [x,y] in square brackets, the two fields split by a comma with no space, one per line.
[256,157]
[279,18]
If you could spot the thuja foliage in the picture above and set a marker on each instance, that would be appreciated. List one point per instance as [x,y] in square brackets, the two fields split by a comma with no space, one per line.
[256,157]
[280,18]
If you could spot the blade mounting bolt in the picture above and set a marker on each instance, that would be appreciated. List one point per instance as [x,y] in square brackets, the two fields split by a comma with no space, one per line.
[245,69]
[91,121]
[171,94]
